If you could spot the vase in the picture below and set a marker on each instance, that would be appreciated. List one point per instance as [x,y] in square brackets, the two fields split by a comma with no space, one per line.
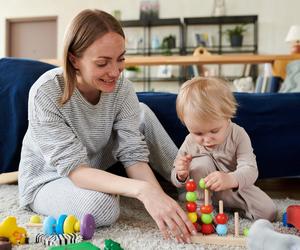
[236,40]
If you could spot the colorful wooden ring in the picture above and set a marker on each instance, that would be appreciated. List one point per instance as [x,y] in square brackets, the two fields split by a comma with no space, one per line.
[191,206]
[190,186]
[87,227]
[221,229]
[69,224]
[221,219]
[60,224]
[207,228]
[193,217]
[49,225]
[206,209]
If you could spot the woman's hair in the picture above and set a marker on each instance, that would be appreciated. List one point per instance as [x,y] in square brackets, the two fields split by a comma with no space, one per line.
[206,98]
[85,28]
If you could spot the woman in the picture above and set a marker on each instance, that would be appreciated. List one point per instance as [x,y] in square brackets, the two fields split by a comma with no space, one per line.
[83,118]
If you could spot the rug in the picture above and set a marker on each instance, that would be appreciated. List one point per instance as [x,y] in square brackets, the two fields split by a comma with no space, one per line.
[135,230]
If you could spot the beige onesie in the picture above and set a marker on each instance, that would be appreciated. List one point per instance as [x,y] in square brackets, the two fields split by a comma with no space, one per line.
[234,155]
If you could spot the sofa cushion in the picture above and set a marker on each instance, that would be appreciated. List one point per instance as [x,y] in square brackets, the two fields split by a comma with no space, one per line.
[164,106]
[16,78]
[272,121]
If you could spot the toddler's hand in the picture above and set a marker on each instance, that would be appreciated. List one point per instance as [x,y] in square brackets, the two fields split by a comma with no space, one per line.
[182,166]
[219,181]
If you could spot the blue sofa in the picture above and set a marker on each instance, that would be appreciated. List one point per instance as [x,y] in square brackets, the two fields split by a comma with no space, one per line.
[272,120]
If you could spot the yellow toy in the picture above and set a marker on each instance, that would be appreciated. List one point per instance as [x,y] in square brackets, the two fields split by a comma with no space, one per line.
[10,230]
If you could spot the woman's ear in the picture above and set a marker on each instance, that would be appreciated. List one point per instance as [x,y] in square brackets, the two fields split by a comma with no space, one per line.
[73,60]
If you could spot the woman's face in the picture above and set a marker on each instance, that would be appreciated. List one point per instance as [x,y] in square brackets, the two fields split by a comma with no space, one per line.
[101,64]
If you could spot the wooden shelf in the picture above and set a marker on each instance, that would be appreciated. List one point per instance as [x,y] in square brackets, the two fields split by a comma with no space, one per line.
[208,59]
[203,59]
[220,19]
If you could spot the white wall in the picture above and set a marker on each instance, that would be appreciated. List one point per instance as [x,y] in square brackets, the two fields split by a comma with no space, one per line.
[275,16]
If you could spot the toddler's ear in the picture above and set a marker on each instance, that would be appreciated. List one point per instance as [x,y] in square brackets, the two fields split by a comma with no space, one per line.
[263,237]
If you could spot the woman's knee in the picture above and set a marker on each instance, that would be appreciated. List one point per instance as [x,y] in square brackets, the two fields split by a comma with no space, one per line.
[104,207]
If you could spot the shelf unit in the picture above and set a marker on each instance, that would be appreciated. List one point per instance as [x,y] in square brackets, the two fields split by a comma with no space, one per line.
[222,23]
[213,28]
[143,45]
[184,30]
[147,27]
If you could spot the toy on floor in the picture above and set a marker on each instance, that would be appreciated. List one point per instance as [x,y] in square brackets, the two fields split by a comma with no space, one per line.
[206,218]
[284,220]
[66,224]
[78,246]
[35,219]
[293,216]
[10,230]
[5,244]
[111,245]
[57,239]
[263,237]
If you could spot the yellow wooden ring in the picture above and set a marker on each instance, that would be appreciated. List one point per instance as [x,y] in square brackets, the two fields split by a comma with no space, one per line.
[77,226]
[69,224]
[193,217]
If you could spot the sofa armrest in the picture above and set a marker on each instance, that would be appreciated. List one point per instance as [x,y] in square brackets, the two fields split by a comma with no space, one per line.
[16,78]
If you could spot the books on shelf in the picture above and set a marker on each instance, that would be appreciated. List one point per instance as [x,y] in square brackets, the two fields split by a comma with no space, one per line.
[164,71]
[267,84]
[204,40]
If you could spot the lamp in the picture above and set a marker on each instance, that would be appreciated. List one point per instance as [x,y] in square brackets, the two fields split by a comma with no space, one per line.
[293,36]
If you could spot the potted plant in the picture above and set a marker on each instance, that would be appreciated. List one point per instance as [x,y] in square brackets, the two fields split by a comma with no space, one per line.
[131,71]
[168,43]
[236,35]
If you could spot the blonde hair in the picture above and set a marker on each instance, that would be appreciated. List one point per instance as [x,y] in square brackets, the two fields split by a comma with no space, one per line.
[85,28]
[206,98]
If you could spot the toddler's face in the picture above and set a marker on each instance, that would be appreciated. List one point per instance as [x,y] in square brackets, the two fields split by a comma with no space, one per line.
[207,133]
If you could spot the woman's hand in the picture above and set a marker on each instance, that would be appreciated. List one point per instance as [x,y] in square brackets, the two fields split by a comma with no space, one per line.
[168,215]
[219,181]
[182,167]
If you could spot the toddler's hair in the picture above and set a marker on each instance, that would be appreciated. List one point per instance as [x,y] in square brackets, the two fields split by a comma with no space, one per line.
[206,98]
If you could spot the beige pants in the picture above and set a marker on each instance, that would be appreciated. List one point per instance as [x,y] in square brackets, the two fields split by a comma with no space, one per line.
[251,201]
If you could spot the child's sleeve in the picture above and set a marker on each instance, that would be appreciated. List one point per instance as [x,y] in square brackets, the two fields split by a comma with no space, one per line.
[246,171]
[183,150]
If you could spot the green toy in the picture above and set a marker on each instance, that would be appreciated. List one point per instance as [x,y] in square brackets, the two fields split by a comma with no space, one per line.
[79,246]
[112,245]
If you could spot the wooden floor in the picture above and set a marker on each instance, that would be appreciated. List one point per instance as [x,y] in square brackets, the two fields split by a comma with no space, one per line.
[281,188]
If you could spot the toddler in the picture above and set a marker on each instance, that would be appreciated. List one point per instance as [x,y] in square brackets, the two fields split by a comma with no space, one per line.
[217,149]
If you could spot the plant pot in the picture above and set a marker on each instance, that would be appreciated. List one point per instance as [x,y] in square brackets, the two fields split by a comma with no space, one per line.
[130,74]
[236,40]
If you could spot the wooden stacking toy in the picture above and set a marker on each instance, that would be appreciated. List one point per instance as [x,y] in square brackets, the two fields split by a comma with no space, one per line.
[206,219]
[68,224]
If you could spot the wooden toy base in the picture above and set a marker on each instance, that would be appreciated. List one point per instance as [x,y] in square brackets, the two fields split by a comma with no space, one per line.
[214,239]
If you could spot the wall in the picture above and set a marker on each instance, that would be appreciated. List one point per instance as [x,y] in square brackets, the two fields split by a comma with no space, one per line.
[275,16]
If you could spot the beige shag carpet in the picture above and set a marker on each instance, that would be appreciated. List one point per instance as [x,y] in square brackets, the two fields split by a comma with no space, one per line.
[135,230]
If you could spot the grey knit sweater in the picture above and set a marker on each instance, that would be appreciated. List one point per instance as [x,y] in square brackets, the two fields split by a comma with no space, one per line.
[60,138]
